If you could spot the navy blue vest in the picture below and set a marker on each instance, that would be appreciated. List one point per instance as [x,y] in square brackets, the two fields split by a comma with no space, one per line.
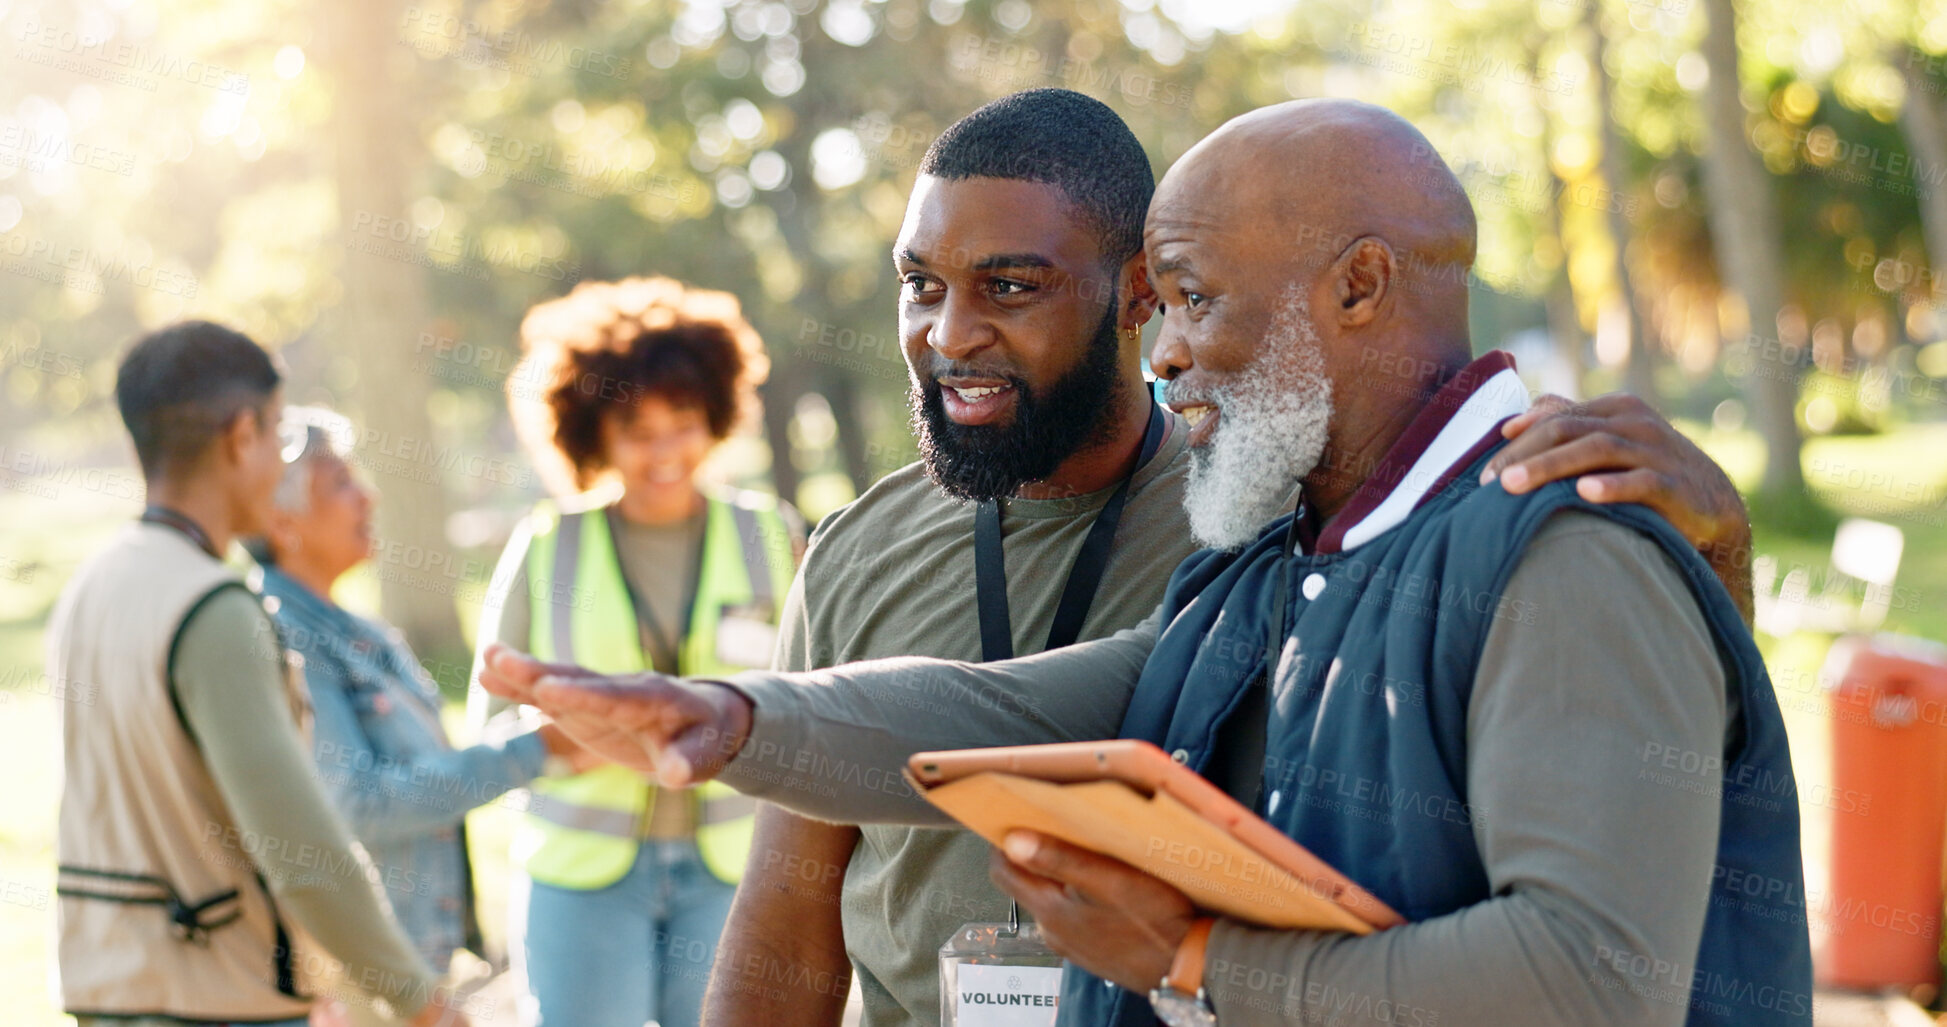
[1404,619]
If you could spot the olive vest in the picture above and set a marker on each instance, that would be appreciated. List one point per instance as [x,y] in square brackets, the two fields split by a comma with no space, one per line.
[582,831]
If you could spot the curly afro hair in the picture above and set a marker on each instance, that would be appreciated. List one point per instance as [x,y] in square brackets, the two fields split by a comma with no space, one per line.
[607,345]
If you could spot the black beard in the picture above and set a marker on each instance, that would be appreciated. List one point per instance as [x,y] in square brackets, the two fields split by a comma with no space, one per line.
[982,462]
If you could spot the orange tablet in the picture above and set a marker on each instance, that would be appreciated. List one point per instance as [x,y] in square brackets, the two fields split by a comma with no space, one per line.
[1126,799]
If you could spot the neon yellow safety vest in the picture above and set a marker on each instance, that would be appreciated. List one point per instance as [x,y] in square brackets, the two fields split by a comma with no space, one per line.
[583,831]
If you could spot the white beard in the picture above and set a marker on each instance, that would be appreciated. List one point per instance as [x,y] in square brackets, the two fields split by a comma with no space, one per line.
[1270,434]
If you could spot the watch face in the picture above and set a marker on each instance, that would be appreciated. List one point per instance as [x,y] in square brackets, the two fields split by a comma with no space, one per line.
[1176,1009]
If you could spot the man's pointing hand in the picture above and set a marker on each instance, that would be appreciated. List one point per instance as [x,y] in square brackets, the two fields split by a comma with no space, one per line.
[681,733]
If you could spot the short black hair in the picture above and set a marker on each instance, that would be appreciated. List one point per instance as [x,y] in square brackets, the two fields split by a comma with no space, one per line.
[179,387]
[1073,142]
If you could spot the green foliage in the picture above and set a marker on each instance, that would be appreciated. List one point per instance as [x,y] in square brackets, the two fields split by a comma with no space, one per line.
[766,148]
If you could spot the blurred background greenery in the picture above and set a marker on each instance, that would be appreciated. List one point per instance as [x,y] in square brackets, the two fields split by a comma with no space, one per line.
[1728,209]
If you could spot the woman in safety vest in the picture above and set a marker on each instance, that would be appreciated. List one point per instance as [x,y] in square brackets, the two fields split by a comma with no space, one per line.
[623,390]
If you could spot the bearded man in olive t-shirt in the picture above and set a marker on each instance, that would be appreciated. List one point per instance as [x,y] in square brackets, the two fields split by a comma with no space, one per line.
[1024,292]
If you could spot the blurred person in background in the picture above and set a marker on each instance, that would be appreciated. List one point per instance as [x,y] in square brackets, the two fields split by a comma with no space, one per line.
[200,857]
[381,751]
[624,390]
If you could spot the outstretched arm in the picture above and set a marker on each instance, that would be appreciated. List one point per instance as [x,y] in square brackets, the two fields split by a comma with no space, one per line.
[386,800]
[831,743]
[233,704]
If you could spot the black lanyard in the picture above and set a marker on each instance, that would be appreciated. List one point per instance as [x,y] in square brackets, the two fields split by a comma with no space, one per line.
[1084,578]
[649,631]
[171,519]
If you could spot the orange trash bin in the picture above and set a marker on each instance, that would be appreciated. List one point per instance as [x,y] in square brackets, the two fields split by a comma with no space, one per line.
[1880,917]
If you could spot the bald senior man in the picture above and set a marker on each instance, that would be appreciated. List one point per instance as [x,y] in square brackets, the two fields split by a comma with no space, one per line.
[1458,695]
[1023,278]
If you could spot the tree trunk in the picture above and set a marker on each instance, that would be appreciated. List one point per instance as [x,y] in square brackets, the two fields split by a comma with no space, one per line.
[791,373]
[843,394]
[1744,233]
[1565,329]
[1926,143]
[1564,325]
[780,397]
[384,308]
[1639,373]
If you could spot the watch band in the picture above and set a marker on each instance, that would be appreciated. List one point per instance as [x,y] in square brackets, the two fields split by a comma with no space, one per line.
[1186,970]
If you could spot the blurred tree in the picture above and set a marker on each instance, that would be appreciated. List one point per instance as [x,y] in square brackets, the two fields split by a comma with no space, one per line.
[375,114]
[1639,375]
[767,147]
[1744,229]
[1925,130]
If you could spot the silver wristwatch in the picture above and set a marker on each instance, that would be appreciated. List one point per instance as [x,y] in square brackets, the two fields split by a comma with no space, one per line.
[1177,1009]
[1180,1001]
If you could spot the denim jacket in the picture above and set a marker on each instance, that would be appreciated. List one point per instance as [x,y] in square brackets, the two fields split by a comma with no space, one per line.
[385,760]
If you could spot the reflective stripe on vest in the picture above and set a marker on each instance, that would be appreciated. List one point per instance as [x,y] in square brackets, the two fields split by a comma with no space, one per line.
[585,829]
[614,822]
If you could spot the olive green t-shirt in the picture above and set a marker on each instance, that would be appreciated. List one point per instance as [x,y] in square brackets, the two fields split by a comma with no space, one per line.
[893,575]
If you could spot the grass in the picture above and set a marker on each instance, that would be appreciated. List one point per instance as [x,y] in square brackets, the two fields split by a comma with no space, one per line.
[46,540]
[1899,477]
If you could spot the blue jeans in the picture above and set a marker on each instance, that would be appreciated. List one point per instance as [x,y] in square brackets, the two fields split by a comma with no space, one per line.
[638,951]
